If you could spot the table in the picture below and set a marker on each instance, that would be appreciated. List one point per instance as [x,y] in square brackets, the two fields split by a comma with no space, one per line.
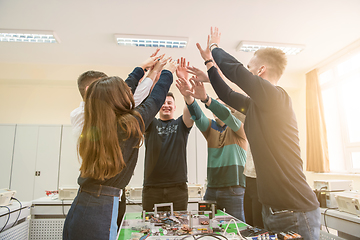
[133,222]
[348,225]
[48,216]
[15,223]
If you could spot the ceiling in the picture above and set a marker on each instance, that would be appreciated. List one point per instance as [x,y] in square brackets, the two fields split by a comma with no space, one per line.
[86,28]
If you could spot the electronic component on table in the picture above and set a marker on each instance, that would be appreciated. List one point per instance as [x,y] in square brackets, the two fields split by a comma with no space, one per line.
[206,205]
[5,196]
[349,202]
[164,225]
[333,185]
[326,190]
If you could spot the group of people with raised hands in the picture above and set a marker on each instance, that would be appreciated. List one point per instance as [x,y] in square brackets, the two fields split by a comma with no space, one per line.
[117,116]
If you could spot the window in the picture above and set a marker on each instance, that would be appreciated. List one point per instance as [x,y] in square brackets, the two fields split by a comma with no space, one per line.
[340,86]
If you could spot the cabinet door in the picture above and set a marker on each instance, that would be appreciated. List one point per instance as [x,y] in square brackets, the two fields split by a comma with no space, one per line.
[7,135]
[69,164]
[191,156]
[47,160]
[201,157]
[137,179]
[35,161]
[24,159]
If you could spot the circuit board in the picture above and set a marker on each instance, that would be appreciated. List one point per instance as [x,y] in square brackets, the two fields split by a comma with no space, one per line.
[135,226]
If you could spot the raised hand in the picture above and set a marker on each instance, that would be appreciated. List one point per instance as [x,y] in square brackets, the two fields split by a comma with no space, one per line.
[156,69]
[184,87]
[155,53]
[171,65]
[149,63]
[199,76]
[205,53]
[198,90]
[181,70]
[215,36]
[160,63]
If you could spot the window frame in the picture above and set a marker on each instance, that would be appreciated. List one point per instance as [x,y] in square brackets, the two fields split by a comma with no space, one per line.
[336,83]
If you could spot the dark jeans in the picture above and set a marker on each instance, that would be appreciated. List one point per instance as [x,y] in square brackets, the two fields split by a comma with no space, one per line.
[230,198]
[177,194]
[252,206]
[93,215]
[307,224]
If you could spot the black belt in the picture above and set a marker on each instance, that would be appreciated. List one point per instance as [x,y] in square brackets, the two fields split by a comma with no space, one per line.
[167,186]
[235,186]
[101,190]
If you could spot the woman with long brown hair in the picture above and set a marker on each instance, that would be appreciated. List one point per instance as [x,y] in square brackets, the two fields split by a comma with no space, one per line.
[109,144]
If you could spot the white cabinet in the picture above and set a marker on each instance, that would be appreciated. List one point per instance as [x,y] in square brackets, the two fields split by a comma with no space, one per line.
[201,157]
[138,176]
[191,156]
[69,164]
[35,160]
[7,136]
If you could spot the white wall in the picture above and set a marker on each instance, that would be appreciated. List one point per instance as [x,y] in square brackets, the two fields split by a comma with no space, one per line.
[42,94]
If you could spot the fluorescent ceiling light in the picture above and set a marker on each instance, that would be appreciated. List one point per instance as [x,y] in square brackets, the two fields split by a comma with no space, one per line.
[288,49]
[32,36]
[150,41]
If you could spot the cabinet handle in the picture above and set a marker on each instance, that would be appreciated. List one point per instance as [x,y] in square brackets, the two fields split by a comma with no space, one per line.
[37,173]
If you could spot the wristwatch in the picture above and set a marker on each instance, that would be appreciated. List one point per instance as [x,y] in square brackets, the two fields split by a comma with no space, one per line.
[206,100]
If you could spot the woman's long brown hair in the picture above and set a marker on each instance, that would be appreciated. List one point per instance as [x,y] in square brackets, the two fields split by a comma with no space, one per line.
[109,104]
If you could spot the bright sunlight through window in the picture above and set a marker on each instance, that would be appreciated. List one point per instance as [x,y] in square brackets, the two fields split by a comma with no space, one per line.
[340,87]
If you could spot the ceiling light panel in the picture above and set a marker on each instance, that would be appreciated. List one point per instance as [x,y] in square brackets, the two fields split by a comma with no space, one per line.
[30,36]
[150,41]
[288,49]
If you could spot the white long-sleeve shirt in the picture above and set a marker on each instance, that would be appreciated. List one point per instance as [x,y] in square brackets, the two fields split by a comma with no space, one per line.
[77,115]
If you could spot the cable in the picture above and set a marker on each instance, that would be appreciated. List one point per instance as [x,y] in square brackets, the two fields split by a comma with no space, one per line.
[131,202]
[208,236]
[7,219]
[325,218]
[238,231]
[19,211]
[63,210]
[214,235]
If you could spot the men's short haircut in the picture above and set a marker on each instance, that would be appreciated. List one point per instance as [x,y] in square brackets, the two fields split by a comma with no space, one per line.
[87,78]
[171,95]
[274,58]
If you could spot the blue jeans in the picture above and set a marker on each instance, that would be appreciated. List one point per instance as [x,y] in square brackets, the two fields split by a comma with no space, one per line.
[230,198]
[177,194]
[92,216]
[307,224]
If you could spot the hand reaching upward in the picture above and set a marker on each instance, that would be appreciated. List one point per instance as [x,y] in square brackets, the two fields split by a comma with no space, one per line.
[181,70]
[184,87]
[199,76]
[158,66]
[150,62]
[155,53]
[198,90]
[205,53]
[171,65]
[215,36]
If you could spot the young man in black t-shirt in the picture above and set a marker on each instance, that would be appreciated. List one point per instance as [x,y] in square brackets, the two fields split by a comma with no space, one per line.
[165,173]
